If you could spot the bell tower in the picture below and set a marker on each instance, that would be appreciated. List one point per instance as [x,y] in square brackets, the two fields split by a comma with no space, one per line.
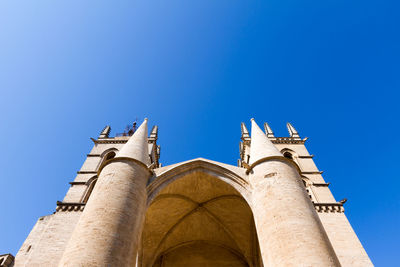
[330,213]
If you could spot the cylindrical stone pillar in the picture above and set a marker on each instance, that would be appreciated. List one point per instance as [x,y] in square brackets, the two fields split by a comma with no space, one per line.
[109,229]
[289,230]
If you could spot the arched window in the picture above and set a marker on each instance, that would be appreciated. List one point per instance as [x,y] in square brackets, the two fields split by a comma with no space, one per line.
[288,155]
[90,185]
[106,155]
[110,155]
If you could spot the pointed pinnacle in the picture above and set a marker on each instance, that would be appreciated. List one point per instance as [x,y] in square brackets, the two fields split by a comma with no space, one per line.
[268,130]
[105,132]
[292,131]
[245,132]
[154,132]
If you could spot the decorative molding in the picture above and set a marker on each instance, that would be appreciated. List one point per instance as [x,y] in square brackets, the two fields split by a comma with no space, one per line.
[287,140]
[119,159]
[77,183]
[315,172]
[306,157]
[70,206]
[319,207]
[321,184]
[93,155]
[109,141]
[280,158]
[86,172]
[329,207]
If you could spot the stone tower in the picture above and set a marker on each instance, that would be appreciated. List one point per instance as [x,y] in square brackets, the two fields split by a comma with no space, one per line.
[125,209]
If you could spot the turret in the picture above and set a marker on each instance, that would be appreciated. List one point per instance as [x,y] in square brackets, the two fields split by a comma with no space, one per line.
[108,231]
[288,227]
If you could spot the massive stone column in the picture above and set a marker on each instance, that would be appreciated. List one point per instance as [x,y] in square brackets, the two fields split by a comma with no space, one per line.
[288,227]
[109,229]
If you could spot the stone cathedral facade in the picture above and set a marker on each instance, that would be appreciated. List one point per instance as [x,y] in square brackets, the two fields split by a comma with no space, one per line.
[125,209]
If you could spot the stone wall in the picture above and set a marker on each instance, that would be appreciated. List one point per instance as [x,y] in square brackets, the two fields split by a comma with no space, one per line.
[47,240]
[344,240]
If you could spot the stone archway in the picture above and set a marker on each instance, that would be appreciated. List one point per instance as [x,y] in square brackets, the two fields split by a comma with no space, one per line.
[199,220]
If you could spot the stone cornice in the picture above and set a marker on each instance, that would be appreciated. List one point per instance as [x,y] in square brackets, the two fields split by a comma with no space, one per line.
[70,206]
[280,158]
[287,140]
[313,172]
[319,207]
[93,155]
[306,157]
[123,159]
[86,172]
[77,183]
[321,184]
[275,140]
[329,207]
[109,141]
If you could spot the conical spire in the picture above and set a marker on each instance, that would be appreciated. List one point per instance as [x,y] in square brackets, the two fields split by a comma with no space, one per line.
[292,131]
[261,146]
[268,130]
[137,145]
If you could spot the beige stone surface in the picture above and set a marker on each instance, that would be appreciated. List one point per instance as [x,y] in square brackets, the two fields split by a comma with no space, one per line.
[288,227]
[109,228]
[347,246]
[47,240]
[198,212]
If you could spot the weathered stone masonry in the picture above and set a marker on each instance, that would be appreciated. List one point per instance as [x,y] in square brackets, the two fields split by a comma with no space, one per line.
[125,209]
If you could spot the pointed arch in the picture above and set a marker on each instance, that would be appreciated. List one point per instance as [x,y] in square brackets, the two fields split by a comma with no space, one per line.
[233,176]
[90,184]
[198,201]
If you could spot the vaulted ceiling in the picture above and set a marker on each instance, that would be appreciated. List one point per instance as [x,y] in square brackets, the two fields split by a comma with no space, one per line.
[199,220]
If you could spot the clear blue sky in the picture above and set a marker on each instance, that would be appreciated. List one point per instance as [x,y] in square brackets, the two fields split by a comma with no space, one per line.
[197,69]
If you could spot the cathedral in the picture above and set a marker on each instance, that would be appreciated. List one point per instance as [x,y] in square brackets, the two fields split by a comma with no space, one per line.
[125,209]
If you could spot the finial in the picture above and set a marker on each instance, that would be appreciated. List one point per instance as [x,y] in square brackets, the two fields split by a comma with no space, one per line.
[105,132]
[292,131]
[268,130]
[154,132]
[245,132]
